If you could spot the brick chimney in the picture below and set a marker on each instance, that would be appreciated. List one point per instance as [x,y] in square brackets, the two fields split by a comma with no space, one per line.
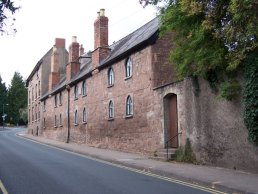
[54,76]
[101,49]
[73,66]
[81,50]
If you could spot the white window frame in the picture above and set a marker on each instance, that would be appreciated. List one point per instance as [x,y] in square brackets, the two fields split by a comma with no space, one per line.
[129,106]
[111,77]
[128,68]
[111,109]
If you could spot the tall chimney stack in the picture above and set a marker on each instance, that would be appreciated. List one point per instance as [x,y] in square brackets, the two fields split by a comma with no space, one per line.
[101,49]
[54,76]
[73,66]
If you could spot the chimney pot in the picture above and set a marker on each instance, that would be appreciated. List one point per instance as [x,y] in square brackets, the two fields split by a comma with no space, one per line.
[102,12]
[74,38]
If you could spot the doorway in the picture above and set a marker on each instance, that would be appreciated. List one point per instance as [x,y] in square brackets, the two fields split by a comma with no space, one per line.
[171,120]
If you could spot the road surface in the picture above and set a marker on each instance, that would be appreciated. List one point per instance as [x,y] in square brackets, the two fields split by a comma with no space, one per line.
[30,168]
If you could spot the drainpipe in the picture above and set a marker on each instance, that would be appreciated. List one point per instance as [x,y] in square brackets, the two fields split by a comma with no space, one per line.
[68,114]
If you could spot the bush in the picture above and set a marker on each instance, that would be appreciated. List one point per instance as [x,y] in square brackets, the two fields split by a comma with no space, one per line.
[185,154]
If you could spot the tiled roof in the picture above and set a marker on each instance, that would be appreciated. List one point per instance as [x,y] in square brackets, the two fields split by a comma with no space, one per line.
[133,40]
[137,39]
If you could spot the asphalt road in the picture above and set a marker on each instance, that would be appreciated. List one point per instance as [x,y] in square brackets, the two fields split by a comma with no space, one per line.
[31,168]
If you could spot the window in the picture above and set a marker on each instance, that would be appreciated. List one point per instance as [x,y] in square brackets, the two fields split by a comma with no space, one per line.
[76,118]
[55,100]
[39,88]
[84,115]
[110,77]
[32,94]
[29,116]
[36,92]
[39,111]
[111,110]
[84,88]
[76,92]
[55,121]
[44,105]
[44,122]
[29,97]
[129,106]
[60,120]
[36,113]
[60,98]
[128,67]
[32,114]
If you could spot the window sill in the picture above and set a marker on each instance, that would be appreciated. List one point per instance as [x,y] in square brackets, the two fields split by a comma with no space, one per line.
[60,104]
[55,126]
[111,119]
[126,78]
[110,86]
[84,122]
[55,106]
[84,95]
[76,98]
[60,125]
[44,127]
[128,116]
[76,124]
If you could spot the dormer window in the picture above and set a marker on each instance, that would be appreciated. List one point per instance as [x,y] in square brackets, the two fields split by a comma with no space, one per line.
[128,67]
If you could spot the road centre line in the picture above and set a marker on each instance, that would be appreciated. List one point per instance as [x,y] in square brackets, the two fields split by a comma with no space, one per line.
[173,180]
[2,187]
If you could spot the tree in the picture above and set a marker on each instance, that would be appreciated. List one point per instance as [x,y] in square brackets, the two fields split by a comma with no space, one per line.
[3,96]
[17,97]
[7,8]
[216,39]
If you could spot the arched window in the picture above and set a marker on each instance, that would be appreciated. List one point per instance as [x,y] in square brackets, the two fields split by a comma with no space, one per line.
[111,109]
[84,115]
[36,91]
[128,67]
[61,121]
[39,88]
[76,117]
[110,77]
[55,121]
[55,100]
[60,98]
[84,88]
[129,106]
[44,122]
[76,92]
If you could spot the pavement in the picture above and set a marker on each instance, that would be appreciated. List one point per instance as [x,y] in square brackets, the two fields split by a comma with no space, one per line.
[227,180]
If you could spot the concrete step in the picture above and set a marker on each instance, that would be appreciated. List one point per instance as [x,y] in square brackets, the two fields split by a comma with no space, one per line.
[162,154]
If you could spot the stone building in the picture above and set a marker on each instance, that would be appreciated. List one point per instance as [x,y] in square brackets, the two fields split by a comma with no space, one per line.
[126,97]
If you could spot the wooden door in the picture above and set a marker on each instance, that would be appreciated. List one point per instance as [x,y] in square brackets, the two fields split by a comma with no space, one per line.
[173,121]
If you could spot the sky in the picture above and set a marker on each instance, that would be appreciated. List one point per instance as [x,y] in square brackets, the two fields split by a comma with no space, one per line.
[39,22]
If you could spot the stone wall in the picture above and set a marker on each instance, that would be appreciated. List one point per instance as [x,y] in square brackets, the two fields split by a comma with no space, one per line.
[215,127]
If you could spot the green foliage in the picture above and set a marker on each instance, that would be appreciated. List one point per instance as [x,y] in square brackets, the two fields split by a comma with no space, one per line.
[186,154]
[17,97]
[216,37]
[229,90]
[251,97]
[7,8]
[3,97]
